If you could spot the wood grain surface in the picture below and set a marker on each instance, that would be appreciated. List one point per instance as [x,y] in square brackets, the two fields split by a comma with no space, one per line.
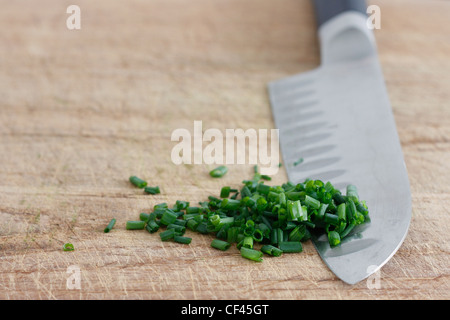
[82,110]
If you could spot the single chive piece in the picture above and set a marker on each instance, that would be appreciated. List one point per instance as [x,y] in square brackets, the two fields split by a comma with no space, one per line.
[181,205]
[251,254]
[221,245]
[232,234]
[225,192]
[168,217]
[322,209]
[144,216]
[192,224]
[180,222]
[263,189]
[334,238]
[68,247]
[190,210]
[258,235]
[311,202]
[274,236]
[347,230]
[202,227]
[362,208]
[152,226]
[350,210]
[167,235]
[230,204]
[298,233]
[338,198]
[352,193]
[296,163]
[294,210]
[110,226]
[291,246]
[341,212]
[162,205]
[248,242]
[261,204]
[177,228]
[152,190]
[183,240]
[135,225]
[266,177]
[331,219]
[245,192]
[271,250]
[138,182]
[218,172]
[255,169]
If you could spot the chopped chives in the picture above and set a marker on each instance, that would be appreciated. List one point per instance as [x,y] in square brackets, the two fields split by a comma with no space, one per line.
[68,247]
[218,172]
[168,217]
[279,217]
[271,250]
[251,254]
[138,182]
[167,234]
[180,222]
[221,245]
[110,226]
[232,234]
[192,224]
[183,240]
[177,228]
[341,212]
[331,219]
[230,204]
[225,192]
[263,189]
[181,205]
[152,226]
[352,193]
[291,246]
[258,235]
[333,238]
[135,225]
[296,163]
[190,210]
[295,210]
[248,242]
[298,233]
[347,230]
[350,210]
[311,202]
[152,190]
[234,196]
[162,205]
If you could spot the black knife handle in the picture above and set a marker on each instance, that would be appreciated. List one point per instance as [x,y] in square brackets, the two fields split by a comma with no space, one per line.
[327,9]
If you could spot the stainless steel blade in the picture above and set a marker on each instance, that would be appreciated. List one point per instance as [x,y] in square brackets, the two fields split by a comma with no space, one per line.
[339,120]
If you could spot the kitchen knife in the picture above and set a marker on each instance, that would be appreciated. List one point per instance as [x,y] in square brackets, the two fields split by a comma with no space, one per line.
[339,120]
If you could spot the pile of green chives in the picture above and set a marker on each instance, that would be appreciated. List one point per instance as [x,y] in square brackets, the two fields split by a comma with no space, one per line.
[277,219]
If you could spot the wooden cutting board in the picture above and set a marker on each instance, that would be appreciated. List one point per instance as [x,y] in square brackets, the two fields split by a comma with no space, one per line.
[82,110]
